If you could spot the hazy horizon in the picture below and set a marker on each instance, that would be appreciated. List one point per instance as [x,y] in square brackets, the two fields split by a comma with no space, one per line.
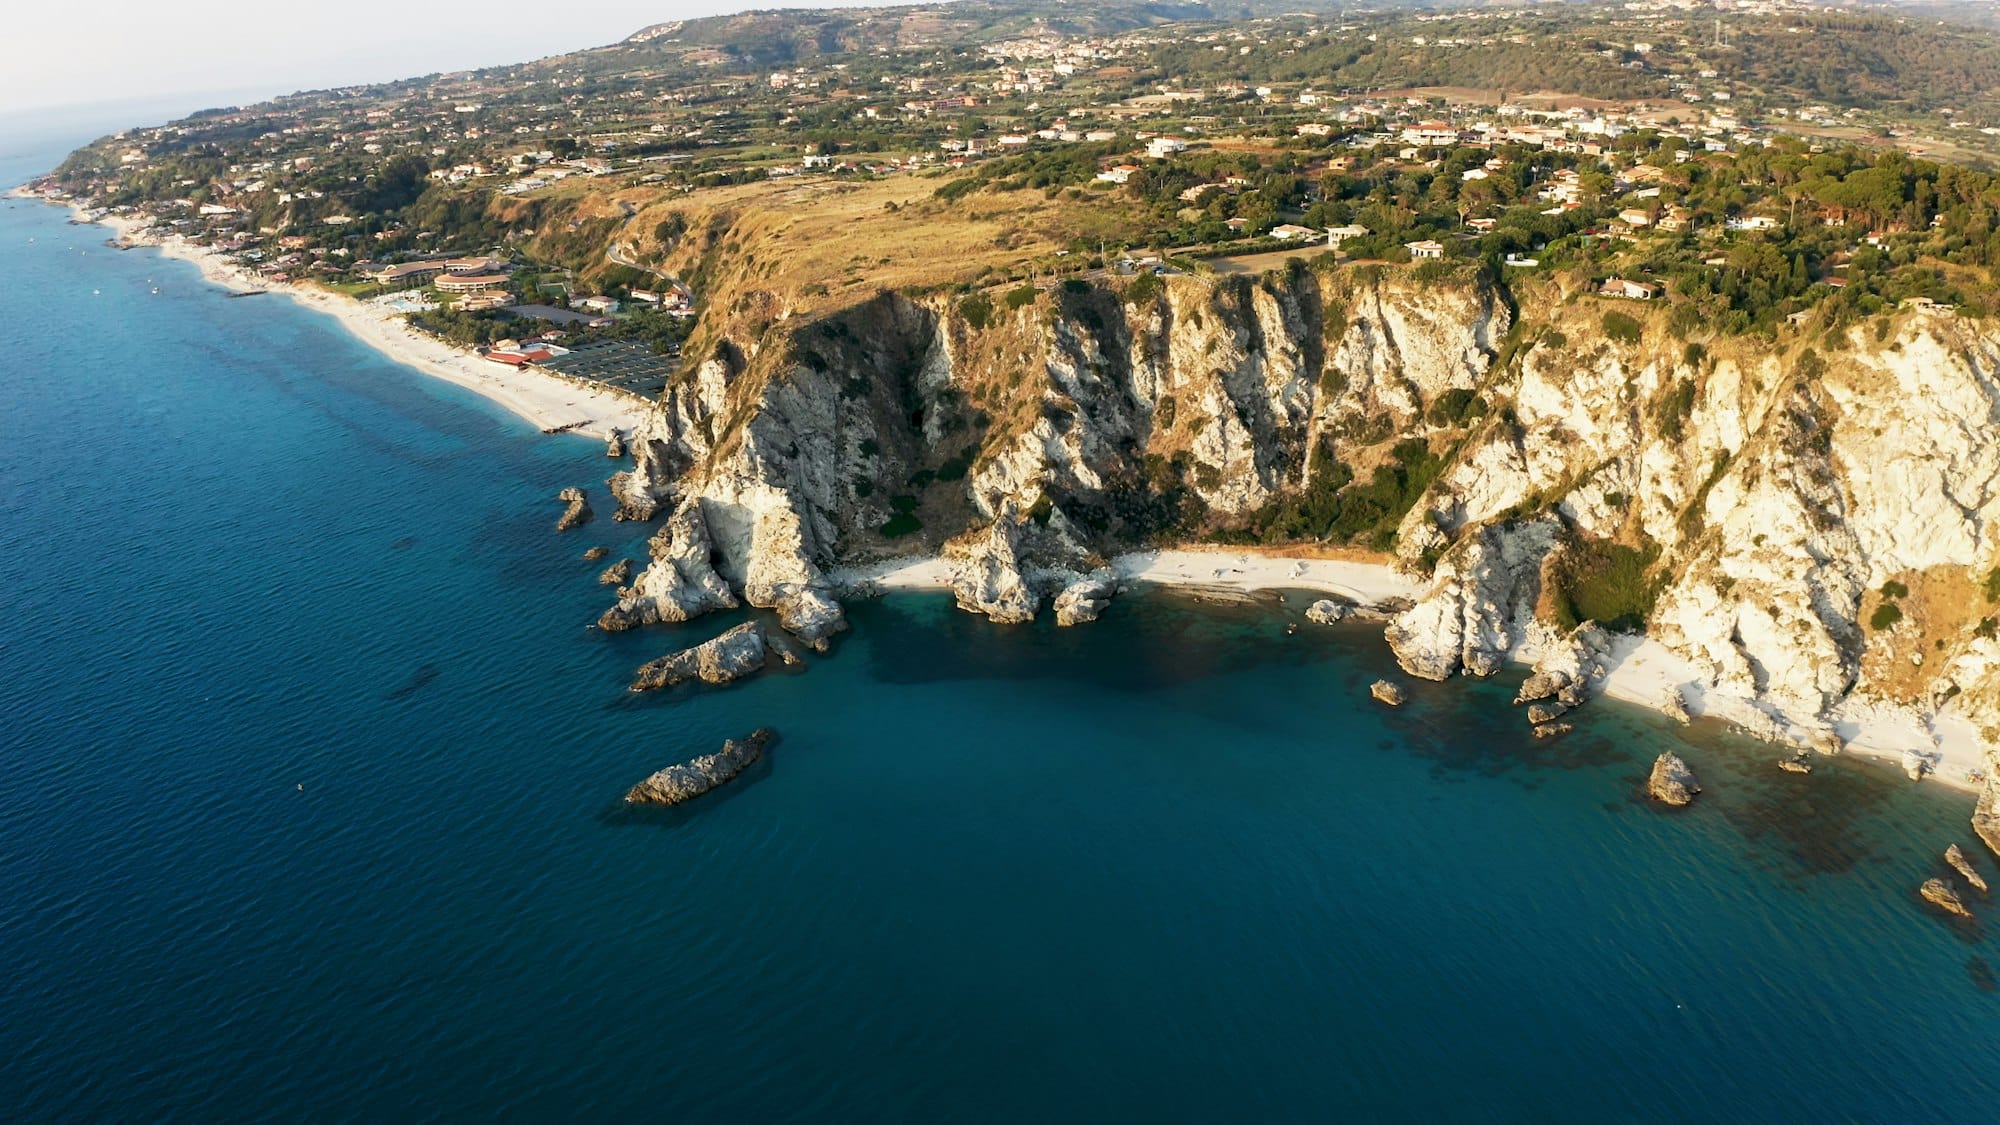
[185,52]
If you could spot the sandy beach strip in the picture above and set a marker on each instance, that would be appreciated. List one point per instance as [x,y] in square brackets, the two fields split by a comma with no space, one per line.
[548,402]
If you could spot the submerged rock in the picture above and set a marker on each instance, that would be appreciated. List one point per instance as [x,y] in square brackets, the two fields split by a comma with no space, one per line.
[1940,894]
[1672,781]
[595,553]
[1551,730]
[731,656]
[1388,692]
[578,513]
[1962,863]
[1794,765]
[1326,611]
[689,780]
[617,574]
[1084,599]
[1539,713]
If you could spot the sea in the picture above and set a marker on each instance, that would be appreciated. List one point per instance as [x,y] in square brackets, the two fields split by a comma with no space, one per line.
[310,780]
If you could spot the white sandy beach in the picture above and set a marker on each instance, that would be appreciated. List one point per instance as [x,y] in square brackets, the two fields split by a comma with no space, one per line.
[1641,670]
[548,402]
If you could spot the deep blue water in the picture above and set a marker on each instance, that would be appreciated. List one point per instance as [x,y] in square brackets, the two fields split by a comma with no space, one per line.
[1174,866]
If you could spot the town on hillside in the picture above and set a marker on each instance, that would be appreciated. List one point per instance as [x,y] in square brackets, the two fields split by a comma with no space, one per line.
[1712,156]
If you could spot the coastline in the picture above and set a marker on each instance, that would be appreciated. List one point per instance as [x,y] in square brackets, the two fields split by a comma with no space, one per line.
[1640,670]
[548,402]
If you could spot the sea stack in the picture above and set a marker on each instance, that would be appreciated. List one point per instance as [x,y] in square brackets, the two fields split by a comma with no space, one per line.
[1388,692]
[578,512]
[1962,863]
[1672,782]
[731,656]
[614,446]
[689,780]
[1938,893]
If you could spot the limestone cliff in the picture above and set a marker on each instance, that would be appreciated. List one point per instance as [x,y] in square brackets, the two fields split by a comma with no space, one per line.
[1753,503]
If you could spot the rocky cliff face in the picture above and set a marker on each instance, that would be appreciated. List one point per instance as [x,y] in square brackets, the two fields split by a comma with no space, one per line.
[1753,503]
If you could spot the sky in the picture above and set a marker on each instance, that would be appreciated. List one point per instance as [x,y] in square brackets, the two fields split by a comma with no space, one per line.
[196,53]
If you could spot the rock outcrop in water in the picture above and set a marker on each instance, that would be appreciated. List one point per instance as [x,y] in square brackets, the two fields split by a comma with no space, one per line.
[1326,611]
[1388,692]
[578,512]
[720,660]
[680,583]
[617,574]
[1672,782]
[614,444]
[1962,863]
[1757,494]
[1084,599]
[689,780]
[595,553]
[1940,894]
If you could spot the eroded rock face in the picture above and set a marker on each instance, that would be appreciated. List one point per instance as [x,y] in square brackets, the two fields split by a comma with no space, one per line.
[731,656]
[1481,600]
[1962,863]
[1387,692]
[1986,815]
[578,513]
[1942,895]
[617,574]
[986,574]
[614,445]
[689,780]
[680,583]
[1084,599]
[1776,494]
[1553,730]
[1672,782]
[1674,705]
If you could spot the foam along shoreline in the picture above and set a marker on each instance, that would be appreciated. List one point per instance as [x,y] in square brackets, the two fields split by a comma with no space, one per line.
[548,402]
[1640,670]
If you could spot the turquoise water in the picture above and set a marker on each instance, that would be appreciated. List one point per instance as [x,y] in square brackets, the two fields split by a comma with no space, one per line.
[310,809]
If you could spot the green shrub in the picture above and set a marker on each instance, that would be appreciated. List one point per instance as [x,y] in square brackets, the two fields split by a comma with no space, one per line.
[956,467]
[1993,585]
[1885,616]
[1021,297]
[1456,407]
[901,524]
[1621,327]
[1675,408]
[977,310]
[1895,589]
[1145,288]
[1606,582]
[956,189]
